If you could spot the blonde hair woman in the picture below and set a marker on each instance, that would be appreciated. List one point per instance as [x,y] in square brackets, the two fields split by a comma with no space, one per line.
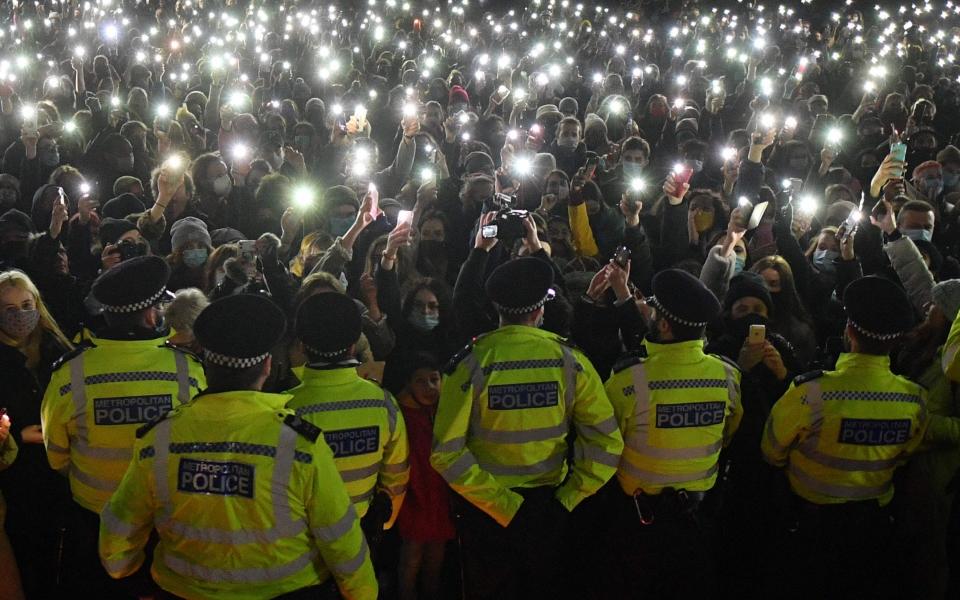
[36,496]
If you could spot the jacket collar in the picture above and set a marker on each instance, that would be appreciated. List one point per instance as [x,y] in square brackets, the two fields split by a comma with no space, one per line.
[678,352]
[856,360]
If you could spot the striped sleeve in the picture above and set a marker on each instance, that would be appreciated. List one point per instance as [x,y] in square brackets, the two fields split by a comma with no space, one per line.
[127,518]
[784,426]
[54,420]
[395,468]
[950,359]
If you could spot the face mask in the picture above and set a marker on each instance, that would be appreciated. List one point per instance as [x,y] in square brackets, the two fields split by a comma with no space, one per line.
[18,324]
[950,180]
[703,221]
[275,159]
[932,186]
[222,185]
[49,157]
[424,322]
[124,165]
[8,197]
[632,169]
[823,260]
[568,142]
[740,328]
[195,257]
[340,225]
[738,264]
[433,248]
[695,165]
[918,235]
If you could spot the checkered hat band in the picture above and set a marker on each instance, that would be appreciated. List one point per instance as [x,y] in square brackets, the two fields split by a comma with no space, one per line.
[670,316]
[129,308]
[324,354]
[510,310]
[883,337]
[233,362]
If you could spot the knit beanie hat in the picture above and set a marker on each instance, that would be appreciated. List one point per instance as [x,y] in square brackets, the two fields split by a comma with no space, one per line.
[189,229]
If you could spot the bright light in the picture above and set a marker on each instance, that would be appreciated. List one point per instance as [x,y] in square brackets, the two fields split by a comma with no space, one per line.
[522,166]
[834,136]
[636,185]
[767,120]
[240,152]
[728,153]
[790,122]
[163,111]
[808,205]
[303,196]
[409,110]
[84,188]
[174,162]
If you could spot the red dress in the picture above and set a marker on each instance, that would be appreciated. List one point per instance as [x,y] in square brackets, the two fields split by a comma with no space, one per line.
[425,514]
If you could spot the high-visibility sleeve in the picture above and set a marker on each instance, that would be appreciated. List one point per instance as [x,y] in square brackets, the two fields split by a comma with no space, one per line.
[55,414]
[598,444]
[335,526]
[580,231]
[127,519]
[734,408]
[950,359]
[786,425]
[456,463]
[395,468]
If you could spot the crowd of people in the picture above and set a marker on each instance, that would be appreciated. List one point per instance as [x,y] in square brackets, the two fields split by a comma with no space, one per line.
[381,174]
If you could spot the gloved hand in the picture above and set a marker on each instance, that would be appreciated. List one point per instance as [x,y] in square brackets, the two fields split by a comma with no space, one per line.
[378,513]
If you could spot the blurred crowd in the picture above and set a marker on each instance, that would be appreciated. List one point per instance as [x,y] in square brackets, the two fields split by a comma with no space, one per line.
[398,152]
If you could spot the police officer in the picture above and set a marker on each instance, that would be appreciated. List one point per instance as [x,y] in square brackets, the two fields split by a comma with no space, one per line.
[101,392]
[244,495]
[839,435]
[505,410]
[361,421]
[676,407]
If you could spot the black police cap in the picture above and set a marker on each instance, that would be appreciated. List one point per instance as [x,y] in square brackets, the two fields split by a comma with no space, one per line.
[132,285]
[878,308]
[521,285]
[681,298]
[328,324]
[239,331]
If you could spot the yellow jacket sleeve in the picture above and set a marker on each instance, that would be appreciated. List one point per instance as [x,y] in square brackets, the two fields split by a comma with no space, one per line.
[951,352]
[395,469]
[454,461]
[732,422]
[8,453]
[55,414]
[598,444]
[127,519]
[335,526]
[580,230]
[785,426]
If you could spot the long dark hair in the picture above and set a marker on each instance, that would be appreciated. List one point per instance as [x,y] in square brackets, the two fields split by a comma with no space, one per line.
[444,296]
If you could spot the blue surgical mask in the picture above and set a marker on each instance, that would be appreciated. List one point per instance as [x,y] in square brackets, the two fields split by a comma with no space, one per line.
[340,225]
[195,257]
[918,235]
[823,260]
[49,158]
[423,321]
[739,263]
[632,169]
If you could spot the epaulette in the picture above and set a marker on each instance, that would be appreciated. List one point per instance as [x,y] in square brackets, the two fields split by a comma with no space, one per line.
[145,429]
[727,360]
[629,359]
[304,428]
[457,358]
[568,343]
[79,349]
[182,350]
[808,376]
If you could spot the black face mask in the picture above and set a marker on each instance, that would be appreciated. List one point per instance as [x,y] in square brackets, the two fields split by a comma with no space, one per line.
[739,329]
[433,249]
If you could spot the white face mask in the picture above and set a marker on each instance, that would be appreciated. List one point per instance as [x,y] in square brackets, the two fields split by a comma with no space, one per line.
[222,185]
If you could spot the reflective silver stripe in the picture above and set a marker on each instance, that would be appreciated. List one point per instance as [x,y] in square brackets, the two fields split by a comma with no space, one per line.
[451,446]
[79,392]
[680,453]
[479,382]
[814,399]
[845,464]
[51,447]
[399,467]
[280,484]
[458,468]
[733,389]
[848,492]
[362,497]
[248,575]
[90,481]
[161,444]
[396,490]
[545,466]
[183,377]
[213,535]
[519,436]
[114,524]
[599,455]
[667,479]
[391,411]
[637,432]
[772,438]
[330,533]
[83,448]
[605,427]
[351,566]
[361,473]
[340,405]
[123,565]
[570,375]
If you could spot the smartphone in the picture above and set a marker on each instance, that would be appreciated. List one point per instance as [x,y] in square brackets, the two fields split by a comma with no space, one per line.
[488,232]
[590,168]
[758,334]
[248,255]
[404,216]
[899,151]
[756,215]
[682,175]
[621,256]
[342,123]
[374,199]
[502,93]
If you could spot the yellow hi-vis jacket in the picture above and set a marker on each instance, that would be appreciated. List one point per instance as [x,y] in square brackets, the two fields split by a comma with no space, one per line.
[676,409]
[363,427]
[950,357]
[840,434]
[505,410]
[97,399]
[246,501]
